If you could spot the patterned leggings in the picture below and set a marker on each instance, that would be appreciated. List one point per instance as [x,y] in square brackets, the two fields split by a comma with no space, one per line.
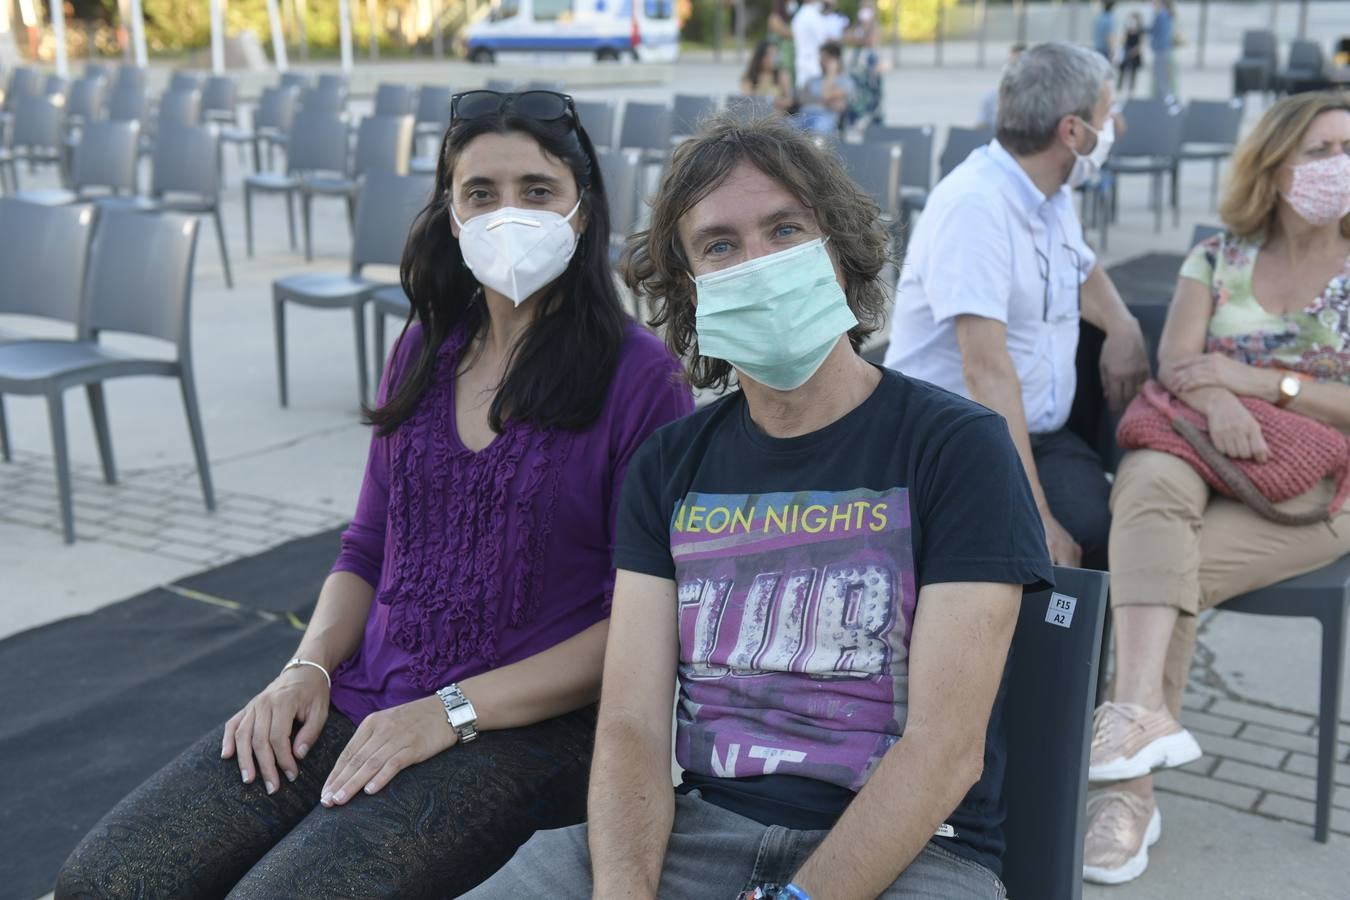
[436,830]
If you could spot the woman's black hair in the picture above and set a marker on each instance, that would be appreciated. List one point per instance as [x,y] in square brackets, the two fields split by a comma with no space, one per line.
[757,61]
[559,373]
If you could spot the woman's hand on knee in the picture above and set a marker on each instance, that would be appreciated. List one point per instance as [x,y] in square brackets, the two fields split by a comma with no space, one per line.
[259,735]
[387,742]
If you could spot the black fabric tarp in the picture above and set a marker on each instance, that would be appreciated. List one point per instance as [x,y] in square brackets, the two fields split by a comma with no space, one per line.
[94,704]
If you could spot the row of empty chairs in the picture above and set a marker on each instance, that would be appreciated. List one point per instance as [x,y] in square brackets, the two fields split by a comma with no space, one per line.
[1258,69]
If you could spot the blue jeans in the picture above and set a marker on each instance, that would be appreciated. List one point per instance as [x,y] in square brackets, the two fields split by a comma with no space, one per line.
[714,854]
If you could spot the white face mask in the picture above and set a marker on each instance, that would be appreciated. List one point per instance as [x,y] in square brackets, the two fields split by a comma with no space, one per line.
[1087,167]
[517,251]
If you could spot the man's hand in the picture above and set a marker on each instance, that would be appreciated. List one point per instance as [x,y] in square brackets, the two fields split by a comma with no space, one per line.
[387,742]
[1124,365]
[1217,370]
[1064,550]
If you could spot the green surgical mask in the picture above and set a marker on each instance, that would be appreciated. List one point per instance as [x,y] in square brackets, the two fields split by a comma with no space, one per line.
[776,317]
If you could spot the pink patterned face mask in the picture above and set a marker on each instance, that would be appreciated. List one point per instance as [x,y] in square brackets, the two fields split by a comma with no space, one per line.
[1320,192]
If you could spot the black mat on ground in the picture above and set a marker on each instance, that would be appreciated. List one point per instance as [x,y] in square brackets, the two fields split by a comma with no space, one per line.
[94,704]
[284,579]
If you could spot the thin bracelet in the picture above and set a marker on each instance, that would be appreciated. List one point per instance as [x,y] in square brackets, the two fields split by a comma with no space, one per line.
[297,662]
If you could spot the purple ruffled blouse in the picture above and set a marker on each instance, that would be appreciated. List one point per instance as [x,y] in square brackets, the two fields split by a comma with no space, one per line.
[483,559]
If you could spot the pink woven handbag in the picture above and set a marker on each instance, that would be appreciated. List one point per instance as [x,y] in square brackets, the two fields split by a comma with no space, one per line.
[1303,451]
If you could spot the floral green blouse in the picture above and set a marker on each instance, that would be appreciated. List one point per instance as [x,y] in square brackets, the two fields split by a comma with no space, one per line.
[1314,341]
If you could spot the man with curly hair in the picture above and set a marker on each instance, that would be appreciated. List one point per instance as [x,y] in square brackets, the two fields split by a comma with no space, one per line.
[829,561]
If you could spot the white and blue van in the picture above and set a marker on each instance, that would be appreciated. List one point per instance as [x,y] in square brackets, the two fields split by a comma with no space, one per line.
[604,30]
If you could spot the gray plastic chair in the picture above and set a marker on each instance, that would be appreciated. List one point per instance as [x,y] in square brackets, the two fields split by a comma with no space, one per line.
[961,142]
[87,100]
[383,144]
[36,138]
[296,80]
[620,170]
[220,100]
[330,100]
[393,100]
[1306,70]
[916,163]
[139,282]
[23,82]
[1202,233]
[180,106]
[332,81]
[56,86]
[433,112]
[106,71]
[185,177]
[1150,146]
[105,157]
[317,144]
[875,167]
[1047,716]
[646,127]
[1323,595]
[385,303]
[597,117]
[128,103]
[184,80]
[384,213]
[130,77]
[272,120]
[689,111]
[1209,131]
[1255,69]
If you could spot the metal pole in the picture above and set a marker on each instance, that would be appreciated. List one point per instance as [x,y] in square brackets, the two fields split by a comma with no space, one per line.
[937,38]
[1203,37]
[278,39]
[138,34]
[374,32]
[1073,19]
[217,39]
[1303,20]
[437,30]
[983,15]
[302,30]
[59,36]
[1021,21]
[345,34]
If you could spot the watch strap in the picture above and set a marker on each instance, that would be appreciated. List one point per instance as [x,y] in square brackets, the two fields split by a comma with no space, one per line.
[459,712]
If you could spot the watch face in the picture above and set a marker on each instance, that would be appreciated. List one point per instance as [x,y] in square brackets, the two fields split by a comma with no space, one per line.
[1290,385]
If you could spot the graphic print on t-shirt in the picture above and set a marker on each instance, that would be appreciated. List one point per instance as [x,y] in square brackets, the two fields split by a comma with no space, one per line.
[795,611]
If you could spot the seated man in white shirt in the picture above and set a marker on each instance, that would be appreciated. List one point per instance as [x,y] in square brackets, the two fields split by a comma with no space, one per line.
[813,27]
[997,276]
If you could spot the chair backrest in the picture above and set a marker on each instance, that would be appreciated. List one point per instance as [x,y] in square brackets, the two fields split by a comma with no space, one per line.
[37,123]
[106,156]
[916,166]
[276,108]
[689,111]
[87,98]
[129,76]
[106,71]
[43,252]
[383,144]
[221,94]
[961,142]
[55,86]
[318,142]
[330,100]
[1047,717]
[1203,232]
[186,161]
[180,107]
[433,105]
[393,100]
[140,275]
[1212,122]
[1259,44]
[597,117]
[23,82]
[1306,55]
[333,81]
[298,80]
[1154,129]
[619,170]
[183,80]
[384,214]
[128,103]
[646,126]
[875,167]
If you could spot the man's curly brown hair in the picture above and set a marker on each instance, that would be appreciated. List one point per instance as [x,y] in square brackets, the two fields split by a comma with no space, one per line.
[655,267]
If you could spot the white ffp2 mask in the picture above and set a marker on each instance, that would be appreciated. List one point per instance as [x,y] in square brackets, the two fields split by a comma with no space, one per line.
[517,251]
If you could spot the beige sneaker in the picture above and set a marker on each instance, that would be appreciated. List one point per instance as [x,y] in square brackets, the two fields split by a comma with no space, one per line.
[1129,741]
[1121,827]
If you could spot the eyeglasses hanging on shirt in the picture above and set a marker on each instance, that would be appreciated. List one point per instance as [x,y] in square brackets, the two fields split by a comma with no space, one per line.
[1043,264]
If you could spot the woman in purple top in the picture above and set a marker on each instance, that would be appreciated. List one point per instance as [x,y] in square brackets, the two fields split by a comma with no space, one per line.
[440,707]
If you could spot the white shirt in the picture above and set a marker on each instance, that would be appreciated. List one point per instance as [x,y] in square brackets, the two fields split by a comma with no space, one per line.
[990,244]
[811,28]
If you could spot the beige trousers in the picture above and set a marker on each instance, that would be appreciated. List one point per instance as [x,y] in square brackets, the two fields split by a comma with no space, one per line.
[1174,542]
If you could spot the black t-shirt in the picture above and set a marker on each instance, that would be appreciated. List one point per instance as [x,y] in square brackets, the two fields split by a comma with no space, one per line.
[798,563]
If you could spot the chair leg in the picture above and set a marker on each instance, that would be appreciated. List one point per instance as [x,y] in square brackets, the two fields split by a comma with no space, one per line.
[379,353]
[1214,186]
[306,208]
[56,415]
[248,220]
[362,367]
[4,434]
[351,215]
[1329,709]
[194,421]
[1176,195]
[257,155]
[279,327]
[98,409]
[290,215]
[224,250]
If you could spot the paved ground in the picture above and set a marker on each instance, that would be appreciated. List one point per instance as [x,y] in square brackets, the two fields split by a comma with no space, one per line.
[1236,823]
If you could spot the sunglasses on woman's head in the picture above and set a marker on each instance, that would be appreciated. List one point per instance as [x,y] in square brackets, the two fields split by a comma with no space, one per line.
[544,106]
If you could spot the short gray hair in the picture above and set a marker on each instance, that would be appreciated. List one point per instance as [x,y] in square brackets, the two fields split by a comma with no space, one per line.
[1046,83]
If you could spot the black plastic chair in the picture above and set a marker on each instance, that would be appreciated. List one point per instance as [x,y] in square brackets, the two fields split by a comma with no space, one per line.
[1047,715]
[384,213]
[961,142]
[139,281]
[1307,69]
[1209,131]
[1255,70]
[1323,595]
[1150,146]
[875,167]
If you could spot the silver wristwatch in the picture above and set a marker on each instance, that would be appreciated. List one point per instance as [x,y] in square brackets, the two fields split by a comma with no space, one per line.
[459,712]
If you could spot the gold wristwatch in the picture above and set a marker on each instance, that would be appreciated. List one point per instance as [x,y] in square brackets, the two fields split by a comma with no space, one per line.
[1290,385]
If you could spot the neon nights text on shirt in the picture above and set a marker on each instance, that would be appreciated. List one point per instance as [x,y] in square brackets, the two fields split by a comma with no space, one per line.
[791,518]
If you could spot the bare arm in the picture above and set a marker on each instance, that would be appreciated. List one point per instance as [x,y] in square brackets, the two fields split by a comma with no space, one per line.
[632,805]
[960,642]
[991,379]
[1124,359]
[334,631]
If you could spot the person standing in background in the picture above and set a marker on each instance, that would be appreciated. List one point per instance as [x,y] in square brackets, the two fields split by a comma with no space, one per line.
[779,33]
[1160,41]
[1104,31]
[1132,54]
[866,37]
[812,27]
